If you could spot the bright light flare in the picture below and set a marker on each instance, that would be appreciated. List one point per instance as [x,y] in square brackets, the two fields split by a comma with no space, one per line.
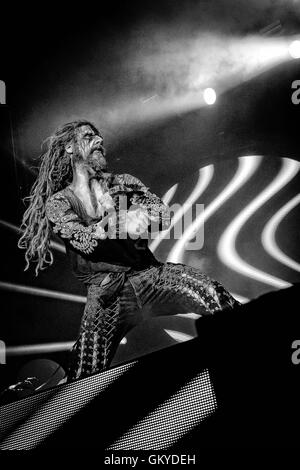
[209,96]
[294,49]
[270,53]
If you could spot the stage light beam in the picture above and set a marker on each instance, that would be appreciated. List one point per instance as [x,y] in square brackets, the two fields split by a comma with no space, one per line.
[294,49]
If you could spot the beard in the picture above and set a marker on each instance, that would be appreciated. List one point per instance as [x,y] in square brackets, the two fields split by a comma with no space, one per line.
[93,159]
[97,162]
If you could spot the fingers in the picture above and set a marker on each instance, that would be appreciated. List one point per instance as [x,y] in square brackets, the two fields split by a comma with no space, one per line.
[136,225]
[139,214]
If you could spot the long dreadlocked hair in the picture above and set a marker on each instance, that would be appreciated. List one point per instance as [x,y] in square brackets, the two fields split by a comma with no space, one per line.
[55,173]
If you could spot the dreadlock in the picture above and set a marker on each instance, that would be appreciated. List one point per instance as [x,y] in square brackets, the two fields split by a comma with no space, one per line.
[55,174]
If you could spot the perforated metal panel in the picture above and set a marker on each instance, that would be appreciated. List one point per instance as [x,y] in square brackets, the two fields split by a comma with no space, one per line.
[147,404]
[172,419]
[45,414]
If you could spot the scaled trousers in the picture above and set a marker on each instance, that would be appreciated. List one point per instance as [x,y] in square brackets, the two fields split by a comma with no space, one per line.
[116,302]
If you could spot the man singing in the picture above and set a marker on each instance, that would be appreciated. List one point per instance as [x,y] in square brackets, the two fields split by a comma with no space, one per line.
[102,218]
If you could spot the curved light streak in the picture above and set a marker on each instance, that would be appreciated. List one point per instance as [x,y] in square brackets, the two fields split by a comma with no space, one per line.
[179,336]
[192,316]
[247,166]
[268,234]
[205,176]
[240,298]
[42,292]
[169,194]
[227,245]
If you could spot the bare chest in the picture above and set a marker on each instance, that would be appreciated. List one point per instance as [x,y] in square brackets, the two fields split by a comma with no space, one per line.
[90,198]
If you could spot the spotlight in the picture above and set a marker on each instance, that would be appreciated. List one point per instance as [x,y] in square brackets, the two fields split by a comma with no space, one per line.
[294,49]
[209,96]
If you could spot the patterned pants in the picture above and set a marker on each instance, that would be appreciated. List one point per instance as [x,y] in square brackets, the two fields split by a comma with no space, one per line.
[111,312]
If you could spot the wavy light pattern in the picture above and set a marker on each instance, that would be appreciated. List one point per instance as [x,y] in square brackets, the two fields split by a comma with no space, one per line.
[269,232]
[205,176]
[227,245]
[247,166]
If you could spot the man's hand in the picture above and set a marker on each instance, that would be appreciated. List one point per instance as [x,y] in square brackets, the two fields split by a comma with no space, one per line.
[106,201]
[99,231]
[136,222]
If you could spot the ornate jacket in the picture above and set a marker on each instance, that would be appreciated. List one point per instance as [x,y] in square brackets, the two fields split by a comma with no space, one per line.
[94,251]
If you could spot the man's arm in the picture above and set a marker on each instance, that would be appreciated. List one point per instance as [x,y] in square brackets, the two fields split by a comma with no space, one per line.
[76,234]
[157,211]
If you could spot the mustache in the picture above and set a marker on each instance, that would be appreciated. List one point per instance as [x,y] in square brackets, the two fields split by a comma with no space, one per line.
[99,147]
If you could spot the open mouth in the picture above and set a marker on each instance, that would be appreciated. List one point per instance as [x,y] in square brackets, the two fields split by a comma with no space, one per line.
[98,151]
[97,146]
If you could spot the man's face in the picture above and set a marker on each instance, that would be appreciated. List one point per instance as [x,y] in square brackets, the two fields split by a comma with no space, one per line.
[89,149]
